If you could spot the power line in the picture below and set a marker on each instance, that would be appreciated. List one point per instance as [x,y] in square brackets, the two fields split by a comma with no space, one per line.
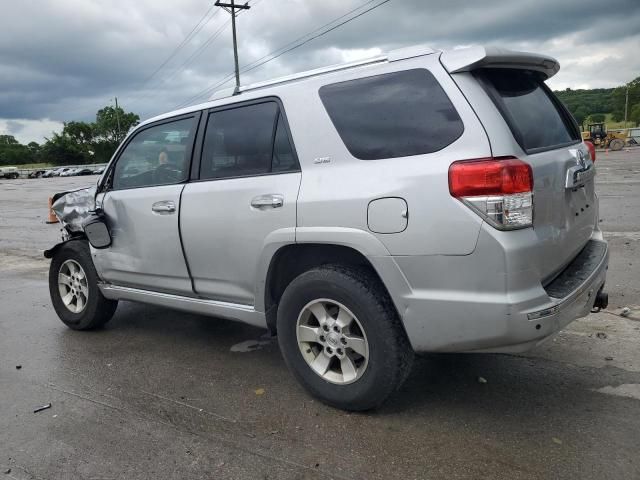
[310,33]
[196,53]
[316,36]
[252,65]
[184,64]
[199,51]
[194,31]
[283,50]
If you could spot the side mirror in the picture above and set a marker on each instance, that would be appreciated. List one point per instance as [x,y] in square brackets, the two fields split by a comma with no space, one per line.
[97,232]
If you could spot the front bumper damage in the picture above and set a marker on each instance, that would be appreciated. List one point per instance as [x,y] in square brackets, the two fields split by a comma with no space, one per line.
[72,209]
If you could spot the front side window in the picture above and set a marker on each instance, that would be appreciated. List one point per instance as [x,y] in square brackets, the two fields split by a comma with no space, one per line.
[158,155]
[246,140]
[392,115]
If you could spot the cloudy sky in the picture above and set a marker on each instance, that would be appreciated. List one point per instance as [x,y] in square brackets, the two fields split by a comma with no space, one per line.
[62,60]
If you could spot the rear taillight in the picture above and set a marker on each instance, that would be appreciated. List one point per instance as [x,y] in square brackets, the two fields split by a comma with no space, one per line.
[592,150]
[499,189]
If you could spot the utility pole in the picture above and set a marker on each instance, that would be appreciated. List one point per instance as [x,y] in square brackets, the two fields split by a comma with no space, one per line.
[118,118]
[626,106]
[231,8]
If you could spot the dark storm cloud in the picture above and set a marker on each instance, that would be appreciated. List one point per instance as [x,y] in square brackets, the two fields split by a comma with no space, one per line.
[64,59]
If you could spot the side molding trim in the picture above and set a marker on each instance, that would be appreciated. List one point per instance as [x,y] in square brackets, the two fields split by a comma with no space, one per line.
[212,308]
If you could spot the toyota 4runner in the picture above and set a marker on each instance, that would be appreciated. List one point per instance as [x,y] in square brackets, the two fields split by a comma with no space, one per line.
[421,201]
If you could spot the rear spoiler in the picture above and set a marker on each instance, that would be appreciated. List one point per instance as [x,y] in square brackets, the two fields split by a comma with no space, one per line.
[472,58]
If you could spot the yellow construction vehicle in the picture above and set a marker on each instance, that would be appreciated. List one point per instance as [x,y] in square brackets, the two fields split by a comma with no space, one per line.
[598,135]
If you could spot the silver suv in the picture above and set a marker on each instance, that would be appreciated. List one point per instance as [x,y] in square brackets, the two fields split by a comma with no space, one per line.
[421,201]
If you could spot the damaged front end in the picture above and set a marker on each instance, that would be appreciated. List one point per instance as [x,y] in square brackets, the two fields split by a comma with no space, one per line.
[80,218]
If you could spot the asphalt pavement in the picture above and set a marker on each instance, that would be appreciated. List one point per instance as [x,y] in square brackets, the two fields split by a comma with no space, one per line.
[163,394]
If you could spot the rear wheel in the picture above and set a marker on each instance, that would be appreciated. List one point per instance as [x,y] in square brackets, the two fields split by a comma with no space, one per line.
[73,287]
[616,144]
[341,337]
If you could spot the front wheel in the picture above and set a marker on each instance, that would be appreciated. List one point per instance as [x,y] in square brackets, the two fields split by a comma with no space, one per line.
[341,336]
[73,287]
[616,144]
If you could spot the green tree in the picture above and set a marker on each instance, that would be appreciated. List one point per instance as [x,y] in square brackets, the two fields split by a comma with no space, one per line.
[619,98]
[13,153]
[634,114]
[83,142]
[80,132]
[34,148]
[64,150]
[596,118]
[8,140]
[112,125]
[581,114]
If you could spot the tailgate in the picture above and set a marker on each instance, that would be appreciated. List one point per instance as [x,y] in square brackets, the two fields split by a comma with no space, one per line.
[564,217]
[523,118]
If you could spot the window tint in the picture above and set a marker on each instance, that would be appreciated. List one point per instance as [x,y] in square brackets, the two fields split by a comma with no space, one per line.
[157,155]
[283,158]
[392,115]
[240,142]
[535,116]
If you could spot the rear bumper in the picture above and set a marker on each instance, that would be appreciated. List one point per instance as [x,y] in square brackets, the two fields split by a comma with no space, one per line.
[521,316]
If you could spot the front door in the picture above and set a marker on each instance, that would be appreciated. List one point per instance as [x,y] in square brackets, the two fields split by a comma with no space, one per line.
[142,208]
[245,198]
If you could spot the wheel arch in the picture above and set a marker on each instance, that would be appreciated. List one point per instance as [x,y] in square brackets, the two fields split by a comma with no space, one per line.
[52,251]
[290,260]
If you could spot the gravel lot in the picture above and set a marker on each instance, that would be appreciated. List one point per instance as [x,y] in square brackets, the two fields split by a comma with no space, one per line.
[161,394]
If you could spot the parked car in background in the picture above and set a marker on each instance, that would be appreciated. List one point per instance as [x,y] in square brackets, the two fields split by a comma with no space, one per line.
[65,172]
[9,172]
[362,212]
[99,170]
[36,173]
[83,171]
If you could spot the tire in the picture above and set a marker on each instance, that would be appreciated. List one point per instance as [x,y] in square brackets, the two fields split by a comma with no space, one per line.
[88,308]
[374,329]
[616,144]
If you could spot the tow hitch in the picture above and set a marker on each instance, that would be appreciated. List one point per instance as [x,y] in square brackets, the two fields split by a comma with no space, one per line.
[602,301]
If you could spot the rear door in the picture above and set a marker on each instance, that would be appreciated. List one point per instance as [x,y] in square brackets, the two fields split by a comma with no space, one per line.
[546,137]
[142,208]
[245,196]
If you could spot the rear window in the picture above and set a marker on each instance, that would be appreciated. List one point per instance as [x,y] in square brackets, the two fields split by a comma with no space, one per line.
[535,116]
[392,115]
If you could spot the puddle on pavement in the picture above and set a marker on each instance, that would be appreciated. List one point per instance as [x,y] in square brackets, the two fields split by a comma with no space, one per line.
[629,390]
[252,345]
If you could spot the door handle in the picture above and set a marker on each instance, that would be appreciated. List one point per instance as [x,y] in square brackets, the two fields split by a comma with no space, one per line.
[164,207]
[268,201]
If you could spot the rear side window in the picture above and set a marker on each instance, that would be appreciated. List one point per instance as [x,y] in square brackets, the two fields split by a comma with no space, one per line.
[535,116]
[246,140]
[392,115]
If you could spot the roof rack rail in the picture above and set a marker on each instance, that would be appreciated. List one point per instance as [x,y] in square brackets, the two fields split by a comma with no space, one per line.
[392,56]
[313,73]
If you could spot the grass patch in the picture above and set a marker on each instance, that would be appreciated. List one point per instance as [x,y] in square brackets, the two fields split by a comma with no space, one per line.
[35,165]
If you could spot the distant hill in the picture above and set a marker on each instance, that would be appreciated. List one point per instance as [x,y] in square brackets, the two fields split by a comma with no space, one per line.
[604,104]
[583,103]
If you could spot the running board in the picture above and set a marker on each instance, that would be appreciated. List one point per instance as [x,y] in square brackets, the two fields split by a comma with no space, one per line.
[212,308]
